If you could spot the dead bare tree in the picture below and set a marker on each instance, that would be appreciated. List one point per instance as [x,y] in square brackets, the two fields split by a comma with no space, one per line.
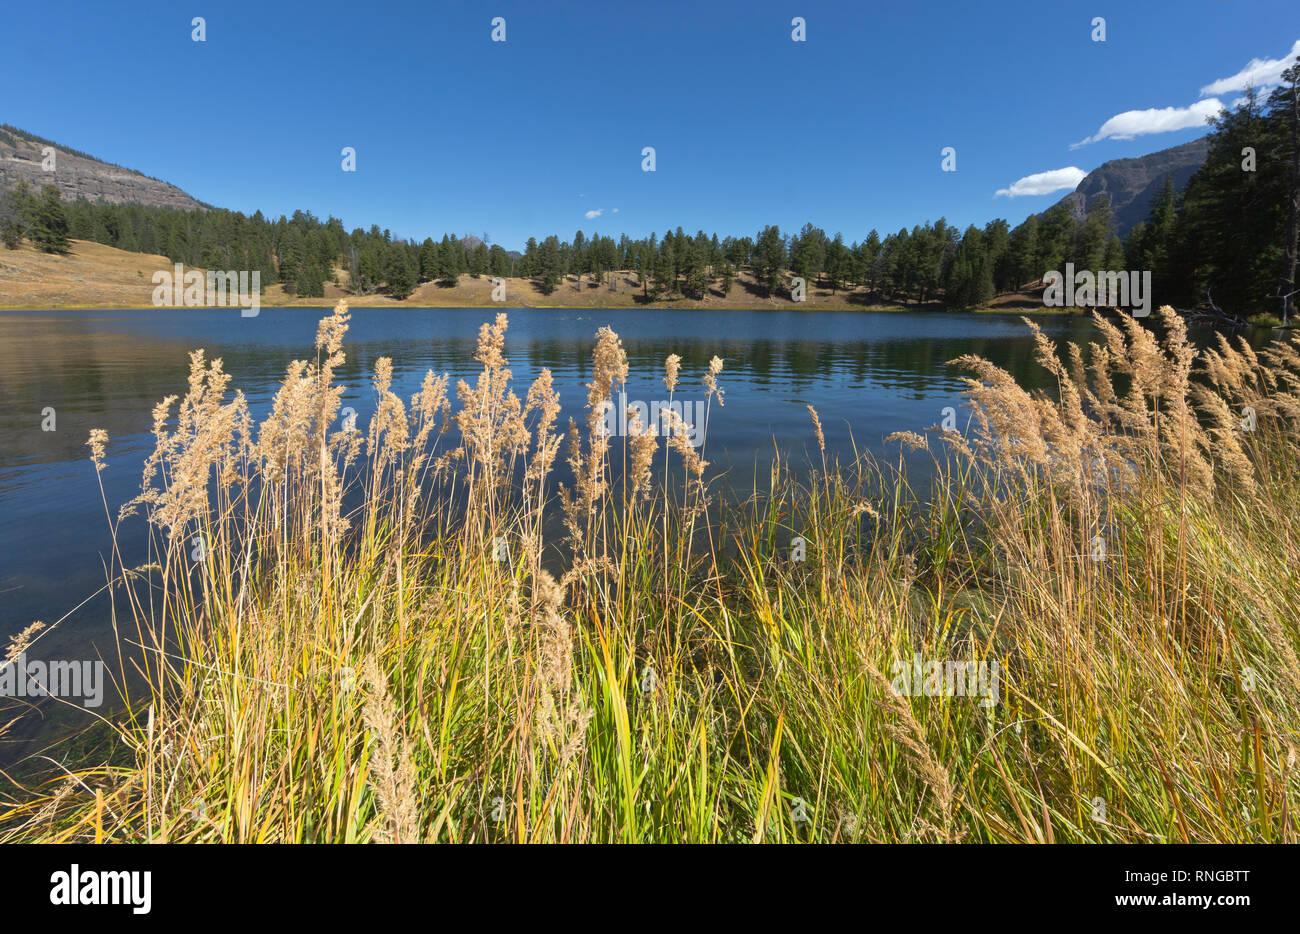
[1215,313]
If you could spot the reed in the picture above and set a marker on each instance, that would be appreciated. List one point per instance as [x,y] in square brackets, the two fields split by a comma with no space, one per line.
[429,666]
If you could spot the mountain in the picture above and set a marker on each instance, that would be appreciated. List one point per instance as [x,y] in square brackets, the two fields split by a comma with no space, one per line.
[1134,184]
[79,175]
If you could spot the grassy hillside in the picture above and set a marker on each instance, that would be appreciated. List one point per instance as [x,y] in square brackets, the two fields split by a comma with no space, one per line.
[89,276]
[92,275]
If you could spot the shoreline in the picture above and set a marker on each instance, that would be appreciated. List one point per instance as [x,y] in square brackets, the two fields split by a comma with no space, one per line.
[354,305]
[93,277]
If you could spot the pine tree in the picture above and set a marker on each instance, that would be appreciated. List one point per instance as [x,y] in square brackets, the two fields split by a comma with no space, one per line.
[402,271]
[528,263]
[867,259]
[448,272]
[769,258]
[697,281]
[808,253]
[1286,102]
[839,263]
[664,277]
[1088,246]
[728,276]
[372,268]
[997,241]
[81,222]
[549,268]
[577,258]
[127,239]
[1055,232]
[48,224]
[1113,259]
[13,215]
[291,257]
[428,260]
[499,262]
[478,259]
[1023,252]
[311,282]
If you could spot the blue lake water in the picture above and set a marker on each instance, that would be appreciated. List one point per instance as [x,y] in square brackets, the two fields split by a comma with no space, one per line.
[868,374]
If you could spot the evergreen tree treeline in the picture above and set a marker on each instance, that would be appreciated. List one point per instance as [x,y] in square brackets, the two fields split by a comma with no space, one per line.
[1233,235]
[932,261]
[38,217]
[1231,238]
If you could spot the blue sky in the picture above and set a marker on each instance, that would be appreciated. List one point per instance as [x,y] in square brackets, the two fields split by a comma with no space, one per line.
[456,133]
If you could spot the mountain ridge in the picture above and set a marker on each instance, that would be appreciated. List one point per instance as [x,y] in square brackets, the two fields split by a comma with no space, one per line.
[1133,184]
[80,175]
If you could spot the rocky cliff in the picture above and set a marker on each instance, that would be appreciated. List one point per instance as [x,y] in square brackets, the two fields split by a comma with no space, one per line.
[79,175]
[1134,184]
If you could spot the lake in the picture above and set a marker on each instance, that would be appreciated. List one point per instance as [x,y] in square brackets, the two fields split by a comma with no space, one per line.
[868,374]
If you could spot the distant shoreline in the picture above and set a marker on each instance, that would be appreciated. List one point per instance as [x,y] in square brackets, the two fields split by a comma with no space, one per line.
[357,304]
[95,277]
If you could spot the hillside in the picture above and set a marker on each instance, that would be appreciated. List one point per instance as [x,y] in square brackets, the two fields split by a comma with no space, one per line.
[1134,184]
[926,265]
[78,175]
[92,275]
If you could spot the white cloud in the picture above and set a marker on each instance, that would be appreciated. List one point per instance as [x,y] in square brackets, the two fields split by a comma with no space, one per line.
[1133,123]
[596,213]
[1043,183]
[1258,73]
[615,211]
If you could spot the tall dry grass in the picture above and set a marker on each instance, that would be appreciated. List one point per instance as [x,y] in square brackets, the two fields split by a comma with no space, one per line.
[429,666]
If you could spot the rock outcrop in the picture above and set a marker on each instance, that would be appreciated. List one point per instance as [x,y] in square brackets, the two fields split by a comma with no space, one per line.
[1133,185]
[78,175]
